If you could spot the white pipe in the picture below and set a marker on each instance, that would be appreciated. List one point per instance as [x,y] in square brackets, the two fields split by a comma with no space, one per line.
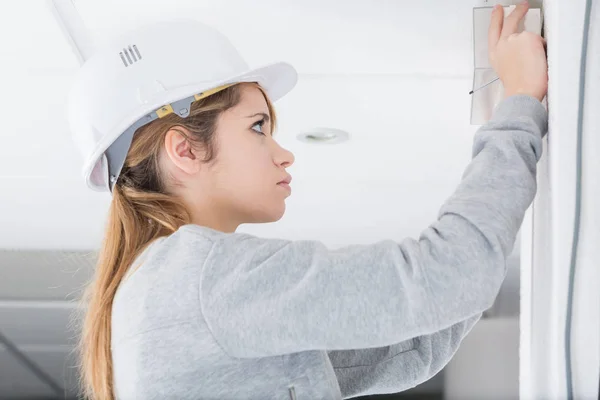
[73,28]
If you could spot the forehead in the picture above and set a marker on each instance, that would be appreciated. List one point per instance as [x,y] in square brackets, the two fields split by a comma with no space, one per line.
[252,101]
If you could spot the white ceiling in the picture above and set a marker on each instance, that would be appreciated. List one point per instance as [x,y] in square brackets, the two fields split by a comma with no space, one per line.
[394,74]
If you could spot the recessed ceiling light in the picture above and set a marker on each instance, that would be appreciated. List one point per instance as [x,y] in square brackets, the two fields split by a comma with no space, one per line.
[324,136]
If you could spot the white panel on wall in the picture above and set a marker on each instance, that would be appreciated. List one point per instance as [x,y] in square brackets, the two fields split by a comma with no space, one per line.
[544,362]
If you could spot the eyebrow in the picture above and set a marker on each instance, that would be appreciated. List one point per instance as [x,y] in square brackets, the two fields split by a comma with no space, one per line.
[265,116]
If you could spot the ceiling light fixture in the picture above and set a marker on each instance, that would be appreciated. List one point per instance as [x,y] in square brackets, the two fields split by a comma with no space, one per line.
[324,136]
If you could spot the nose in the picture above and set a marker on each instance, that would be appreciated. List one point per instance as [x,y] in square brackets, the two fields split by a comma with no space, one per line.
[284,157]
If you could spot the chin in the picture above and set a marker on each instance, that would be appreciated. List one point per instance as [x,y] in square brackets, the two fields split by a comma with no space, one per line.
[272,215]
[277,216]
[264,212]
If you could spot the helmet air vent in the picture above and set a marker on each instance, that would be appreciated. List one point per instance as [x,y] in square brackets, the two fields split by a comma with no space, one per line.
[130,55]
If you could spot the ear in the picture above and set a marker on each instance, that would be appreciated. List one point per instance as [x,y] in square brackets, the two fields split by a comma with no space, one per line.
[180,151]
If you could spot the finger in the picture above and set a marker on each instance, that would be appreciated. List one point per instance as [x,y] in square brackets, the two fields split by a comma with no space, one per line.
[495,26]
[511,23]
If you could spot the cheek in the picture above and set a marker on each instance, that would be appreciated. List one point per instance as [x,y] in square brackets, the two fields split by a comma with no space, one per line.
[247,166]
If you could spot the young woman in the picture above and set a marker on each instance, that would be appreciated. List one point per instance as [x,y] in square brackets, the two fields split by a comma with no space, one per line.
[183,307]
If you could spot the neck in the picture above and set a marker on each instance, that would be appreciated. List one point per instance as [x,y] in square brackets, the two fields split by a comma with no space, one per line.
[218,225]
[215,217]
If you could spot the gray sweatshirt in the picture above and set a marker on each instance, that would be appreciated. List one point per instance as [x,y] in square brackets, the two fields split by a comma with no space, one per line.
[211,315]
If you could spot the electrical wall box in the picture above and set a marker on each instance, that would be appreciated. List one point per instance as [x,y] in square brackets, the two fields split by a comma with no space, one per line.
[486,99]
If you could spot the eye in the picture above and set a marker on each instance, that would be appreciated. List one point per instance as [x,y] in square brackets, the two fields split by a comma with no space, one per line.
[260,125]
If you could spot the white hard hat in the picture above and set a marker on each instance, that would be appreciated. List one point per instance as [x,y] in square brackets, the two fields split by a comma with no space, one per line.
[146,74]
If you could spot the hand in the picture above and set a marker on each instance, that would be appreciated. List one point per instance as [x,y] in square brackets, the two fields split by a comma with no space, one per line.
[519,59]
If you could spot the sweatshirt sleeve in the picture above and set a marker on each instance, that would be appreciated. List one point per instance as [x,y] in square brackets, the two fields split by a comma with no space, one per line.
[265,297]
[397,367]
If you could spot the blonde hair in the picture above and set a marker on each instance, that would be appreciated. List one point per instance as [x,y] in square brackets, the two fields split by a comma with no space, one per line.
[140,212]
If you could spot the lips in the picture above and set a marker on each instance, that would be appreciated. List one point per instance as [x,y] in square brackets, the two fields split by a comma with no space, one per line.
[287,180]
